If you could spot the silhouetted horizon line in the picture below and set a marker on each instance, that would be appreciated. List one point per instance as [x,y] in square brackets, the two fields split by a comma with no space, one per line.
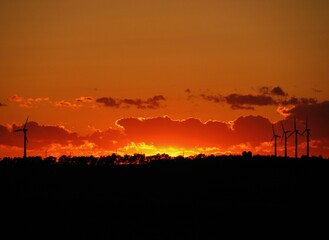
[141,159]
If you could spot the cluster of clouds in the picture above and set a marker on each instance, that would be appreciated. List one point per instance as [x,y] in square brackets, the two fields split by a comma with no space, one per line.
[149,103]
[154,102]
[26,102]
[265,96]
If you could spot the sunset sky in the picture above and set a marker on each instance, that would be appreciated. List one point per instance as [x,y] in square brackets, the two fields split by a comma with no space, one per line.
[149,76]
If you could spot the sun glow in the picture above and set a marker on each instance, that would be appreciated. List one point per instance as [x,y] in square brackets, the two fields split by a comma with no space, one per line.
[150,149]
[173,151]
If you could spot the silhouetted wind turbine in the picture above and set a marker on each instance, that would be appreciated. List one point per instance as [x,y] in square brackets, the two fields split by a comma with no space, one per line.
[284,135]
[274,138]
[296,132]
[24,130]
[308,135]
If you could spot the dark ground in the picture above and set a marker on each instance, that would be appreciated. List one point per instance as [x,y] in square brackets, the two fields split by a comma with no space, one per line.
[202,199]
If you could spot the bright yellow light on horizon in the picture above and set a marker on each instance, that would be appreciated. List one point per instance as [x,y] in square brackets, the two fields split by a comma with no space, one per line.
[173,151]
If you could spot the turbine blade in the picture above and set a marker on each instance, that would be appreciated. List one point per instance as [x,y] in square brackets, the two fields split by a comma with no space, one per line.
[304,132]
[19,130]
[26,122]
[291,134]
[282,127]
[273,130]
[295,123]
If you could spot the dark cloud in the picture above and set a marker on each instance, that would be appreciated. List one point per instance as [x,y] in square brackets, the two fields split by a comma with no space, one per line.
[38,136]
[264,90]
[2,105]
[4,135]
[307,101]
[267,97]
[149,103]
[253,129]
[238,101]
[212,98]
[58,139]
[163,131]
[318,117]
[108,139]
[278,91]
[298,101]
[190,95]
[108,102]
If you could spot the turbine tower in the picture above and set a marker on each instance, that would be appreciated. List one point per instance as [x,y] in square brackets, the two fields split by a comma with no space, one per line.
[24,130]
[285,136]
[274,138]
[308,135]
[296,132]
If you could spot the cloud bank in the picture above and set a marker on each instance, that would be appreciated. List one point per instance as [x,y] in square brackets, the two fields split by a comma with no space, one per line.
[149,103]
[266,96]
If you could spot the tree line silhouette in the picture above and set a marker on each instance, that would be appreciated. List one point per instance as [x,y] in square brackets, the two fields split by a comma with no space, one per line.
[136,159]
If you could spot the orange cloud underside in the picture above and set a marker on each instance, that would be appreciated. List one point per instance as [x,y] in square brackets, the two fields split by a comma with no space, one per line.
[151,136]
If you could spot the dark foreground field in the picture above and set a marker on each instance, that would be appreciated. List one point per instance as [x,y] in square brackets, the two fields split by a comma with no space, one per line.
[200,199]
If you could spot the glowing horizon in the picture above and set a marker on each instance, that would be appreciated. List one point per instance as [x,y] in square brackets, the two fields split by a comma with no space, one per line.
[161,135]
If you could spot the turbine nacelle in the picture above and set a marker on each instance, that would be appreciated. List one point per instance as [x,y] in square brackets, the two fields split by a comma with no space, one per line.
[295,131]
[284,132]
[307,130]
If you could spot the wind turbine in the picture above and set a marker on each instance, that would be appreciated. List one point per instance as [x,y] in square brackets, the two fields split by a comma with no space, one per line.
[24,130]
[284,134]
[296,132]
[274,138]
[308,135]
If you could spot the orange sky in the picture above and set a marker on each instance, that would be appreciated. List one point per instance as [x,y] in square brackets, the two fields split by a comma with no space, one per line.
[80,66]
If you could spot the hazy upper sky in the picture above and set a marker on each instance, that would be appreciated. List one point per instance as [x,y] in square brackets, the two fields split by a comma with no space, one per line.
[177,58]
